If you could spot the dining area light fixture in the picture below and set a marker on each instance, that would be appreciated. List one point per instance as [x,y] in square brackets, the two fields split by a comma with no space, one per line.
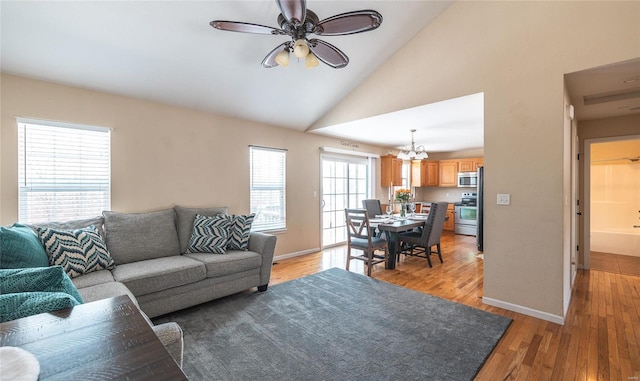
[412,153]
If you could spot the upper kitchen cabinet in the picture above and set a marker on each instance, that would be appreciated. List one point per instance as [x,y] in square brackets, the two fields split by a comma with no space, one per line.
[448,171]
[424,173]
[470,164]
[432,173]
[390,171]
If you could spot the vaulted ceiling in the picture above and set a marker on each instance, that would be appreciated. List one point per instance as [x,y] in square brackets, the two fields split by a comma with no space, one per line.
[166,51]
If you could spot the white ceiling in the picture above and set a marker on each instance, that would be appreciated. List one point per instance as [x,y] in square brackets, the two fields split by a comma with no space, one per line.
[166,51]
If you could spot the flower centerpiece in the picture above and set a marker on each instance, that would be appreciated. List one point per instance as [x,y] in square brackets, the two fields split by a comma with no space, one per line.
[403,196]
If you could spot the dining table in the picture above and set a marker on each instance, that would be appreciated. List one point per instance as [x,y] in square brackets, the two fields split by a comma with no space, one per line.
[392,227]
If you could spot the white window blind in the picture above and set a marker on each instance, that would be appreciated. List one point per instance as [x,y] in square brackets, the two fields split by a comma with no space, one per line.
[63,171]
[268,185]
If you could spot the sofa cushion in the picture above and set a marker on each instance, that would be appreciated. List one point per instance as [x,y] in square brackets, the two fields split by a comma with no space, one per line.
[239,231]
[133,237]
[91,279]
[18,305]
[157,274]
[232,262]
[210,234]
[105,291]
[79,251]
[185,218]
[38,279]
[20,248]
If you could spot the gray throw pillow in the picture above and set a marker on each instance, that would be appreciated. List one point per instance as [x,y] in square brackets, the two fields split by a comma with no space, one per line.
[186,216]
[133,237]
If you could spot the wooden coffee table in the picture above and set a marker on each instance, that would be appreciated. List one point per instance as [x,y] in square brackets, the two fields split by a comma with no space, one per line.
[103,340]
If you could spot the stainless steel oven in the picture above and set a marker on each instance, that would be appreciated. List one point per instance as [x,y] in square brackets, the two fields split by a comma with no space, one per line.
[466,217]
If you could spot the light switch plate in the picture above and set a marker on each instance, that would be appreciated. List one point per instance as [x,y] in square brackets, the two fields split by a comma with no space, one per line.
[504,199]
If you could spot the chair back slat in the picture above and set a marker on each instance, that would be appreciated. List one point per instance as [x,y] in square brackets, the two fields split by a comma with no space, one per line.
[357,224]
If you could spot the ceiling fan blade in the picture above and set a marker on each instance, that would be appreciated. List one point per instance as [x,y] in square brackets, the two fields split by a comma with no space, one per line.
[293,10]
[244,27]
[328,53]
[349,23]
[270,60]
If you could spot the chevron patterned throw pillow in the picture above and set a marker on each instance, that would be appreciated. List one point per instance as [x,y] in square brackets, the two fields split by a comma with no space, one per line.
[239,231]
[78,251]
[210,234]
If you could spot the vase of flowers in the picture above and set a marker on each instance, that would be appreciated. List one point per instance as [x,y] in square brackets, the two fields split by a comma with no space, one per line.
[403,196]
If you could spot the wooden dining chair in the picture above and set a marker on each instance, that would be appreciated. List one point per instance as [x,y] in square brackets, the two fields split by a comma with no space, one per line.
[359,237]
[418,207]
[420,243]
[374,208]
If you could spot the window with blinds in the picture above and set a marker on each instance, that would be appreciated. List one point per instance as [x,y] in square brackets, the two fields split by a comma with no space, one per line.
[267,182]
[63,171]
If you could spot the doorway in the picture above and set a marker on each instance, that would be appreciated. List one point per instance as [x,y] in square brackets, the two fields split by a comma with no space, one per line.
[345,183]
[612,200]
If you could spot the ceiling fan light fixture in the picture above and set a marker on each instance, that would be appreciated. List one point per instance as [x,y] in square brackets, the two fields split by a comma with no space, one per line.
[311,61]
[283,58]
[300,48]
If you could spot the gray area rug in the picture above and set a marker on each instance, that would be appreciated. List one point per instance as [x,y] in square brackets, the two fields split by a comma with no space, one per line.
[336,325]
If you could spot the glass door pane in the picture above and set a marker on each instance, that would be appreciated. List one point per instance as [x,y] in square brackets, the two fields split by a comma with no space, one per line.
[344,185]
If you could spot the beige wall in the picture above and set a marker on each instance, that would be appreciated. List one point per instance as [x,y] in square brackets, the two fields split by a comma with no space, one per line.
[164,155]
[516,53]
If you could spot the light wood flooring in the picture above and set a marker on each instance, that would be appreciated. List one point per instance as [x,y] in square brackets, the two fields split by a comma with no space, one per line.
[599,341]
[615,263]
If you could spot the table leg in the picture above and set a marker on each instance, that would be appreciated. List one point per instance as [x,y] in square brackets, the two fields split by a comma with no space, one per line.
[394,248]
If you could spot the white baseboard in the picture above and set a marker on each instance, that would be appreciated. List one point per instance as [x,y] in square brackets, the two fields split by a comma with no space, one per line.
[296,254]
[524,310]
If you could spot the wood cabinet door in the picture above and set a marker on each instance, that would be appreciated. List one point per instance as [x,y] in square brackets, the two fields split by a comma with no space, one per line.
[478,163]
[391,171]
[466,165]
[417,173]
[450,224]
[448,170]
[432,174]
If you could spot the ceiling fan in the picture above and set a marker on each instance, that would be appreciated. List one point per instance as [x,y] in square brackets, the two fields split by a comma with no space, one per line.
[297,22]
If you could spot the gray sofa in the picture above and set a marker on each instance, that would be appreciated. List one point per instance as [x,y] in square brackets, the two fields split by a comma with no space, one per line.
[153,268]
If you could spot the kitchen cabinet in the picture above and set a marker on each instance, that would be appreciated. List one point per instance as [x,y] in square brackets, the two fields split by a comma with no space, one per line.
[470,164]
[418,173]
[424,173]
[432,175]
[390,171]
[448,173]
[466,165]
[450,223]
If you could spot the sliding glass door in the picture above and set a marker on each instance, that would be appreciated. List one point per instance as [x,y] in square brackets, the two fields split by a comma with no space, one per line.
[345,183]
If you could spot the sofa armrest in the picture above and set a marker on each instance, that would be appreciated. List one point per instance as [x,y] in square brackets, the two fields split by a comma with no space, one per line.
[170,334]
[265,245]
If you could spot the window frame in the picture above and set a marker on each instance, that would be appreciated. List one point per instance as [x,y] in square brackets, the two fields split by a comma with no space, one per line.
[279,186]
[61,182]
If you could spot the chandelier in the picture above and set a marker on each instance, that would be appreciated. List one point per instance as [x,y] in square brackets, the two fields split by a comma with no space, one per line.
[413,152]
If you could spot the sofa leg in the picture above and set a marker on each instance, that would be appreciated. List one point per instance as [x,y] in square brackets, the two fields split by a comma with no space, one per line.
[263,288]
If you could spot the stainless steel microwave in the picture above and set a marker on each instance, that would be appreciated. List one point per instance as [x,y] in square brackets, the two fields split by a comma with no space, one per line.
[467,179]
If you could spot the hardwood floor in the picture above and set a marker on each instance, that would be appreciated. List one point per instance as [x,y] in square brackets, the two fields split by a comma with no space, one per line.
[599,341]
[615,263]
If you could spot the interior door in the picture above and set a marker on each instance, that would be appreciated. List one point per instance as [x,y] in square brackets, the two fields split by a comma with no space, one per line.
[345,183]
[575,207]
